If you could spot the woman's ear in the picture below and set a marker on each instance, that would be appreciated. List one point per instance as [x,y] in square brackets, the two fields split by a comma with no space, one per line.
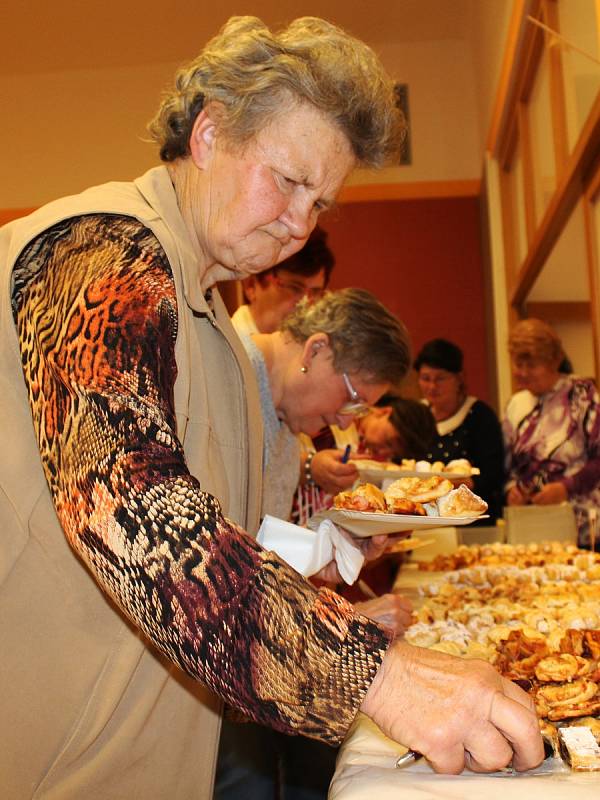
[318,342]
[315,344]
[204,134]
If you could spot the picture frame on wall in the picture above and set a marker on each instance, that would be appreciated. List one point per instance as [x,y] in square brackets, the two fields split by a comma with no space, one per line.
[401,90]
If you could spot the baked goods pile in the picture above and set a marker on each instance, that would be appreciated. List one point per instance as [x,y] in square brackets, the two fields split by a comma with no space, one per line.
[539,624]
[458,466]
[433,496]
[371,463]
[521,555]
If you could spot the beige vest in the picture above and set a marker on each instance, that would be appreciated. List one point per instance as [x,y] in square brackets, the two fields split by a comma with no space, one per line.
[88,709]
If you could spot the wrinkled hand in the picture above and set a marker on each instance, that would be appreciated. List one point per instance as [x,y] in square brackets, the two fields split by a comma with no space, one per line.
[550,494]
[373,547]
[457,712]
[515,497]
[330,474]
[392,610]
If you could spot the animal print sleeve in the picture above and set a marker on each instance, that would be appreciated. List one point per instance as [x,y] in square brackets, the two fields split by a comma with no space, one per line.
[94,303]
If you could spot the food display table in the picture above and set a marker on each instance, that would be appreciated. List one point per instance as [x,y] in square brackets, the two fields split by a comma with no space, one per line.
[366,763]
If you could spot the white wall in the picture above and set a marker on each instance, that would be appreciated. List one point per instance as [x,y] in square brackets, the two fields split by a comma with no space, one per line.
[446,138]
[64,131]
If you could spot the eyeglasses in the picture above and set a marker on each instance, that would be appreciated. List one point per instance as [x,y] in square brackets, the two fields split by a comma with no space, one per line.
[299,290]
[356,407]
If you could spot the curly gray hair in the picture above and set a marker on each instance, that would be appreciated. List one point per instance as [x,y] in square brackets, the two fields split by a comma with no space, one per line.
[256,74]
[364,336]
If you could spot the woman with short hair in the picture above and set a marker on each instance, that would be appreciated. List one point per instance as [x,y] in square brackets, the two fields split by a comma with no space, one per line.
[466,426]
[551,427]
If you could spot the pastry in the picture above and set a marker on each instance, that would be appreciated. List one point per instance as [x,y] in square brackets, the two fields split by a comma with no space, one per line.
[461,502]
[419,490]
[365,497]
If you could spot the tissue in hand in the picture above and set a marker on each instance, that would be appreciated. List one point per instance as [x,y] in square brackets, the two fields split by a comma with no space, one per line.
[309,551]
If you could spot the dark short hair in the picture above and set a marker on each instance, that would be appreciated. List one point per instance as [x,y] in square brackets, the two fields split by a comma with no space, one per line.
[413,422]
[314,257]
[441,354]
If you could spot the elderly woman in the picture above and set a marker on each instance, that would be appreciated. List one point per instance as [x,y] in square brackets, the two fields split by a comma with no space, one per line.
[466,427]
[128,582]
[551,427]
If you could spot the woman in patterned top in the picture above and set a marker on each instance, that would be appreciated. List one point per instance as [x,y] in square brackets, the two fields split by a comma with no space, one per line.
[141,448]
[551,427]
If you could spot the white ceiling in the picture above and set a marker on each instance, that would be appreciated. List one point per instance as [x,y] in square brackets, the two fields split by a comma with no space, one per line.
[58,35]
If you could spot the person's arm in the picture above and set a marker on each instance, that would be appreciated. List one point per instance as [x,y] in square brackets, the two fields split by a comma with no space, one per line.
[588,477]
[513,496]
[329,472]
[96,313]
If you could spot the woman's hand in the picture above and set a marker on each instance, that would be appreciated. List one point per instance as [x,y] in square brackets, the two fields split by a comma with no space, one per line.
[394,611]
[330,474]
[515,497]
[550,494]
[457,712]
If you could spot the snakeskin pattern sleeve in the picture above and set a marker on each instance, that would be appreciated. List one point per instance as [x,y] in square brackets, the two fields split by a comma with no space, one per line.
[95,308]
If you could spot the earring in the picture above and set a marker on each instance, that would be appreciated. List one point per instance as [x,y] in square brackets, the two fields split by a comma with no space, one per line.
[304,369]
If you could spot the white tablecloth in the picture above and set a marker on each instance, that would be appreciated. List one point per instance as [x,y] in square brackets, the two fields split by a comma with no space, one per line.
[366,771]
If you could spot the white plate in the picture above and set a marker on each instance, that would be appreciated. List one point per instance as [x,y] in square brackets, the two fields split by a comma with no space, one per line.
[363,523]
[373,474]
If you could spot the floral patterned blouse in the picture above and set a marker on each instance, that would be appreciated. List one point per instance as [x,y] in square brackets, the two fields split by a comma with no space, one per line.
[556,437]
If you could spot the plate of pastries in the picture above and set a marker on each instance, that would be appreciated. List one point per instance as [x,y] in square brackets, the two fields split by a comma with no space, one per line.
[376,471]
[533,611]
[407,503]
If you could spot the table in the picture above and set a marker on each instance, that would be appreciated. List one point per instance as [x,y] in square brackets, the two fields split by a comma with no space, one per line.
[366,762]
[366,771]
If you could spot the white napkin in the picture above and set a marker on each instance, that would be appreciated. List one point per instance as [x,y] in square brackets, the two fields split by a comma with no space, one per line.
[309,551]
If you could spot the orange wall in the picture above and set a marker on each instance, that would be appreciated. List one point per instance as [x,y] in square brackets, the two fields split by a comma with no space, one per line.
[422,258]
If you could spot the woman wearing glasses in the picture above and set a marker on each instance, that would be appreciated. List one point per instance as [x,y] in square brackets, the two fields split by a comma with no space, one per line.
[273,294]
[466,427]
[327,364]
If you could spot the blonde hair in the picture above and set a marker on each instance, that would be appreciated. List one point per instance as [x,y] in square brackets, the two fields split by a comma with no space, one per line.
[534,338]
[255,74]
[364,336]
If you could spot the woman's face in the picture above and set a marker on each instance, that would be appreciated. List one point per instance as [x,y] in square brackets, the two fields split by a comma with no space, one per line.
[534,374]
[442,389]
[378,436]
[314,399]
[259,202]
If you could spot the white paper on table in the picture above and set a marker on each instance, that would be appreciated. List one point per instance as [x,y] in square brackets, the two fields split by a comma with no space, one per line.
[309,551]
